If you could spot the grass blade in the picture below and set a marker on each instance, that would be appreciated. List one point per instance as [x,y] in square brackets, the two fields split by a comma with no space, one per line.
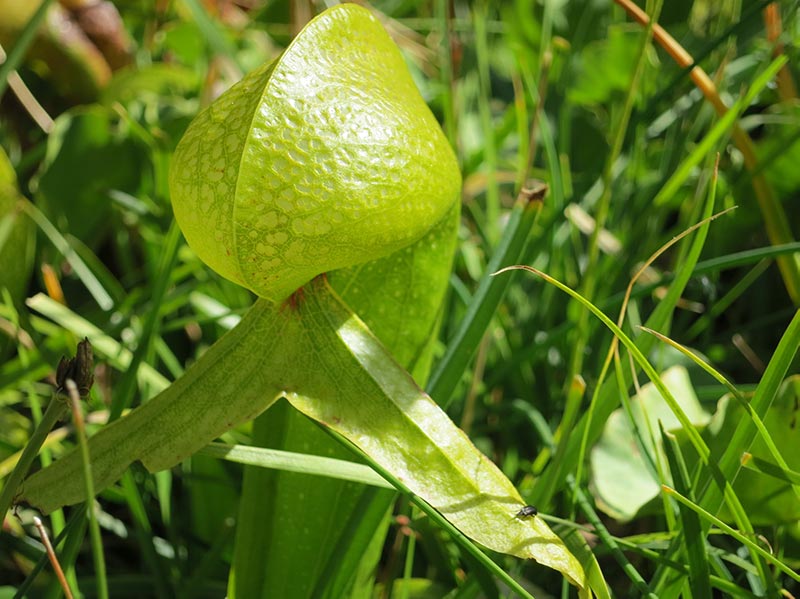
[94,528]
[756,419]
[488,296]
[694,539]
[24,41]
[296,462]
[767,390]
[757,464]
[102,344]
[87,277]
[713,520]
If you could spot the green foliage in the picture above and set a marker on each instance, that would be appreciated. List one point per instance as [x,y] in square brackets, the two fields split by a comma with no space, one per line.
[571,93]
[627,466]
[770,501]
[74,193]
[16,234]
[605,68]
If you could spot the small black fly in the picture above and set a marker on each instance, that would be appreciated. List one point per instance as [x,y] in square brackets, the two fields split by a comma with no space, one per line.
[527,512]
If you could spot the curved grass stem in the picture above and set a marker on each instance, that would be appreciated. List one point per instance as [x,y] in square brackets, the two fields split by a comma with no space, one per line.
[94,526]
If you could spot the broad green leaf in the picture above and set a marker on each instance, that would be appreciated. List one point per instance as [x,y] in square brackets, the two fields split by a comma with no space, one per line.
[768,501]
[404,431]
[156,79]
[622,480]
[580,548]
[400,297]
[236,379]
[290,524]
[605,67]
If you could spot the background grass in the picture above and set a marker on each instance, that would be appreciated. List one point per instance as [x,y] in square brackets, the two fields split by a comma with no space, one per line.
[571,93]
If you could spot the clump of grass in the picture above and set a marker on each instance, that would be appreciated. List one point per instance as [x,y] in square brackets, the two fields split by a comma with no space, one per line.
[575,95]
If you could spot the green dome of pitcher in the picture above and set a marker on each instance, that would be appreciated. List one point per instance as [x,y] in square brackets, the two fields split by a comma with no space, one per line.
[324,159]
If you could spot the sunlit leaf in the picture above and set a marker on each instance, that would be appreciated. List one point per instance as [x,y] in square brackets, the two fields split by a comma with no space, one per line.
[622,480]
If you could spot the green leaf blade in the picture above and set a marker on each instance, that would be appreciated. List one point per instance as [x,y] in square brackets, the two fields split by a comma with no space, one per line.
[361,393]
[233,382]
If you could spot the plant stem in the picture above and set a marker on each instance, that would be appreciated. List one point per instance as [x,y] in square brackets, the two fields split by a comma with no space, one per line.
[17,53]
[480,16]
[601,214]
[772,20]
[55,410]
[444,19]
[51,554]
[94,527]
